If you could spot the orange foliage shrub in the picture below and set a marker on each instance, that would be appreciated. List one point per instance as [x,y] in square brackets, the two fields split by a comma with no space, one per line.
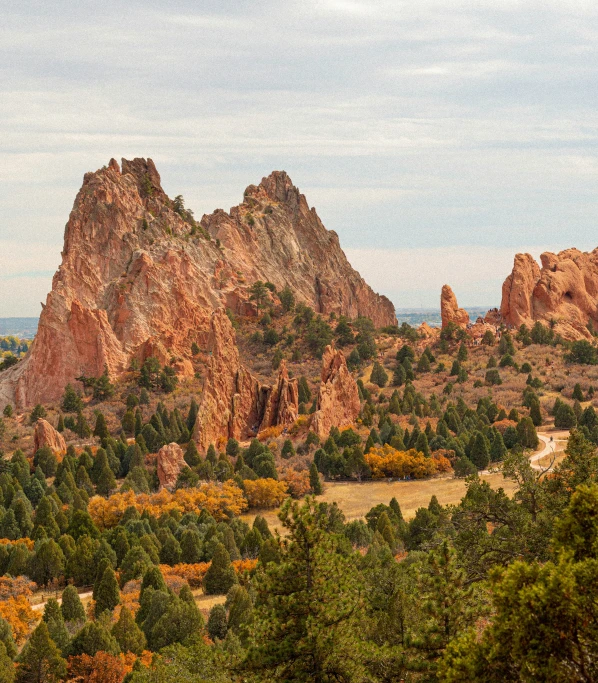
[17,611]
[19,585]
[191,573]
[298,482]
[219,500]
[270,433]
[443,464]
[101,668]
[242,566]
[265,493]
[25,541]
[388,462]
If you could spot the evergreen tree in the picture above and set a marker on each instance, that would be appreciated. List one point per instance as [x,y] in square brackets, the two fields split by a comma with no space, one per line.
[535,413]
[40,660]
[94,637]
[423,364]
[217,623]
[379,375]
[48,562]
[71,401]
[128,635]
[7,669]
[577,392]
[72,607]
[221,574]
[56,628]
[101,428]
[314,480]
[6,638]
[308,612]
[108,594]
[287,450]
[462,355]
[191,551]
[192,415]
[526,433]
[399,376]
[304,390]
[479,452]
[421,444]
[498,450]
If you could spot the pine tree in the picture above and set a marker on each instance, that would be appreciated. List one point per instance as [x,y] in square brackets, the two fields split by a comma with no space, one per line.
[384,528]
[498,450]
[379,375]
[421,444]
[261,525]
[40,660]
[6,638]
[535,413]
[217,623]
[7,669]
[56,628]
[127,633]
[462,355]
[308,613]
[192,415]
[190,546]
[108,594]
[396,508]
[314,480]
[71,401]
[72,607]
[221,574]
[101,428]
[479,451]
[94,637]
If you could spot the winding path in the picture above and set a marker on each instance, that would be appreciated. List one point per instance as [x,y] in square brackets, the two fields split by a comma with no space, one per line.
[549,448]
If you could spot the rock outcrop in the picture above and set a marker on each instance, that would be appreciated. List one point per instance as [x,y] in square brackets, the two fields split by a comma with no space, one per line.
[140,277]
[282,401]
[169,462]
[338,402]
[563,293]
[449,309]
[234,404]
[46,435]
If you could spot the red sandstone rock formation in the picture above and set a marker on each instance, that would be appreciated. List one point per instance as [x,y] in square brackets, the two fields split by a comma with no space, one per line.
[564,292]
[46,435]
[449,309]
[234,404]
[338,399]
[139,278]
[169,462]
[282,402]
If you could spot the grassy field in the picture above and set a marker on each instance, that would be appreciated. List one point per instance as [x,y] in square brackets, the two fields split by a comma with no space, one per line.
[356,499]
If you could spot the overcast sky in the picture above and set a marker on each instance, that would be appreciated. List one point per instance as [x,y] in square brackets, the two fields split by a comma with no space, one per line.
[436,137]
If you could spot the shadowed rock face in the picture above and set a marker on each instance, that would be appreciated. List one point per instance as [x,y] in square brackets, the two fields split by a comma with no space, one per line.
[563,293]
[449,309]
[338,402]
[136,280]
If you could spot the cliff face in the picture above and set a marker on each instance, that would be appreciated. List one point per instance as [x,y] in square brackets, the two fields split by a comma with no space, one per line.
[564,292]
[140,278]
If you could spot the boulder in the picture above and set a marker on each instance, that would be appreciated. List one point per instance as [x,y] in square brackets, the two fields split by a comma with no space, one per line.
[338,402]
[46,435]
[169,462]
[449,309]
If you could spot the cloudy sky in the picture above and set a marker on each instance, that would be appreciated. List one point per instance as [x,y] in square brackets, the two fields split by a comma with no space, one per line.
[437,137]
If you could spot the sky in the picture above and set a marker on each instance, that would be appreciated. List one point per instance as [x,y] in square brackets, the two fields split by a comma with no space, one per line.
[437,138]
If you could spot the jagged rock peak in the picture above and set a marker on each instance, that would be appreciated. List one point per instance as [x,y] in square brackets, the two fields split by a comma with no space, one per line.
[563,293]
[139,277]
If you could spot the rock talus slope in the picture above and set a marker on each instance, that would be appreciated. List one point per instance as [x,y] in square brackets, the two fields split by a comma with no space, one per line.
[563,293]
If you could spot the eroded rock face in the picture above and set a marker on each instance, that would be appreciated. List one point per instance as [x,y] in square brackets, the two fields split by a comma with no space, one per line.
[338,402]
[563,293]
[234,404]
[169,462]
[449,309]
[138,278]
[46,435]
[282,402]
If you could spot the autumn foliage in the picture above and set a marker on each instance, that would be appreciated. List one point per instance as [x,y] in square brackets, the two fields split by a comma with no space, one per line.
[220,500]
[101,668]
[386,461]
[14,586]
[297,482]
[265,493]
[19,614]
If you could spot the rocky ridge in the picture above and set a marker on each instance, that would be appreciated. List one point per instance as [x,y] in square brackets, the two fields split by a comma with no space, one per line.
[563,293]
[140,277]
